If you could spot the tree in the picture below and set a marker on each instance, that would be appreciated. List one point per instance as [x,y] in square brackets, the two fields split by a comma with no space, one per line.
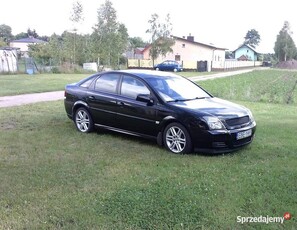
[252,38]
[77,12]
[40,52]
[136,42]
[5,33]
[55,46]
[121,43]
[21,35]
[108,37]
[284,47]
[76,17]
[32,33]
[161,40]
[2,42]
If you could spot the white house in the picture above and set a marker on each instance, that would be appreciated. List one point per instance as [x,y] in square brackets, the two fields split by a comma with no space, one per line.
[188,51]
[23,44]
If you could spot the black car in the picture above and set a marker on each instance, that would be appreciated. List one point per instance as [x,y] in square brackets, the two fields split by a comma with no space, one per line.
[171,109]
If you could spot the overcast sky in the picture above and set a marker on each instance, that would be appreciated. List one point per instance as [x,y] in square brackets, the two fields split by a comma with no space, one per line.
[221,22]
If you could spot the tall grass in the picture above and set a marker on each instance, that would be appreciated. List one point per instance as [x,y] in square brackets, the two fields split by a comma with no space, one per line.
[271,86]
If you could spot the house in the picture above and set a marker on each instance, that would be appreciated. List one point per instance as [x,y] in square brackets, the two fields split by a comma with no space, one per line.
[188,52]
[245,53]
[136,53]
[23,44]
[8,60]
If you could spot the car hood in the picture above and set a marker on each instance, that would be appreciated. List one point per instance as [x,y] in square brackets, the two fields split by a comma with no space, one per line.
[212,106]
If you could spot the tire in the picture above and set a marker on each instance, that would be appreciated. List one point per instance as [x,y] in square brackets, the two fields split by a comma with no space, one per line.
[83,120]
[176,139]
[175,70]
[157,69]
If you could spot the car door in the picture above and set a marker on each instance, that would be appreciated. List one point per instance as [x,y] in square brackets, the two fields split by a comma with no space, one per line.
[102,99]
[166,66]
[134,115]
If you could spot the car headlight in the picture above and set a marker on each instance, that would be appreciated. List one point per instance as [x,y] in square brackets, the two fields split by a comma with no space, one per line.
[251,115]
[214,123]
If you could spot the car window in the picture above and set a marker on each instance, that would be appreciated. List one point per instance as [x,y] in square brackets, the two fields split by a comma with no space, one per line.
[176,88]
[87,83]
[107,83]
[131,87]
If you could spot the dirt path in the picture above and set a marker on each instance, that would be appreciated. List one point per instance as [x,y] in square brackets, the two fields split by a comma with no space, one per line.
[9,101]
[220,75]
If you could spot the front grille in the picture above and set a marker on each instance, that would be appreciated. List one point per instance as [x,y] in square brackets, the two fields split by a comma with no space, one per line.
[244,141]
[219,145]
[238,121]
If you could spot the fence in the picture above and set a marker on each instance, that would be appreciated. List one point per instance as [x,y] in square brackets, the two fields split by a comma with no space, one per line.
[234,64]
[148,64]
[200,66]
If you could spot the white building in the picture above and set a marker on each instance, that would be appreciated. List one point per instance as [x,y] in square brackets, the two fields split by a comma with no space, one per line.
[23,44]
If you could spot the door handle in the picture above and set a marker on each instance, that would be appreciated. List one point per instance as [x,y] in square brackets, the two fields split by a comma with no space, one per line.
[121,103]
[91,97]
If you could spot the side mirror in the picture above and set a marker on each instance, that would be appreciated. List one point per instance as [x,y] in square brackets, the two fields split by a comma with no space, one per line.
[145,98]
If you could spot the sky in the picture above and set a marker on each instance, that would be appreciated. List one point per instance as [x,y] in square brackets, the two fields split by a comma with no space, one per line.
[223,23]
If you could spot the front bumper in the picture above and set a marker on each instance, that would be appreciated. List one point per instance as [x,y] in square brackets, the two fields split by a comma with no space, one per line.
[223,141]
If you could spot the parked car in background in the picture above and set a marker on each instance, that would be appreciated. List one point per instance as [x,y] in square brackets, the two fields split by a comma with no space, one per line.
[163,106]
[169,66]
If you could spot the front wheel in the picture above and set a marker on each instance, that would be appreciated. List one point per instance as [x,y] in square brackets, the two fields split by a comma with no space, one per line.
[177,139]
[83,120]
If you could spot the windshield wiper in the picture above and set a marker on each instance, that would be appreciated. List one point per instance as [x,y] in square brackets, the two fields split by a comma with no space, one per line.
[189,99]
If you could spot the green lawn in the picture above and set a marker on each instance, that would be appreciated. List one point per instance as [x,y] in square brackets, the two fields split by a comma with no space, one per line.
[24,83]
[53,177]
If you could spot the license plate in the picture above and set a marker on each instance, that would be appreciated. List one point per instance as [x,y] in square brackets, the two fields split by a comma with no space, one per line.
[244,134]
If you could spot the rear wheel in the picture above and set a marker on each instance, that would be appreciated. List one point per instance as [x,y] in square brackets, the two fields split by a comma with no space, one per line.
[175,70]
[83,120]
[177,139]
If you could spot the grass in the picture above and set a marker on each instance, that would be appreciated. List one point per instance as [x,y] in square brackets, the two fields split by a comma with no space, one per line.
[53,177]
[194,74]
[23,83]
[271,86]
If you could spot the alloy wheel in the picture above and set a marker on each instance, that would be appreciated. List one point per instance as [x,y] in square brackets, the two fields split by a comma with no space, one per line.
[83,120]
[176,139]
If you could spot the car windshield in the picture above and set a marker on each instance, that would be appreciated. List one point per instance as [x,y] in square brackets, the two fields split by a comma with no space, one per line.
[173,89]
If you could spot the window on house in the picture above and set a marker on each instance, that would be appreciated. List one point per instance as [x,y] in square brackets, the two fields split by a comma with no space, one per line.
[177,57]
[183,45]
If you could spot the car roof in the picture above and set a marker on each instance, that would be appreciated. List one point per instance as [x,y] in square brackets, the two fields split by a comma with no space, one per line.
[144,74]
